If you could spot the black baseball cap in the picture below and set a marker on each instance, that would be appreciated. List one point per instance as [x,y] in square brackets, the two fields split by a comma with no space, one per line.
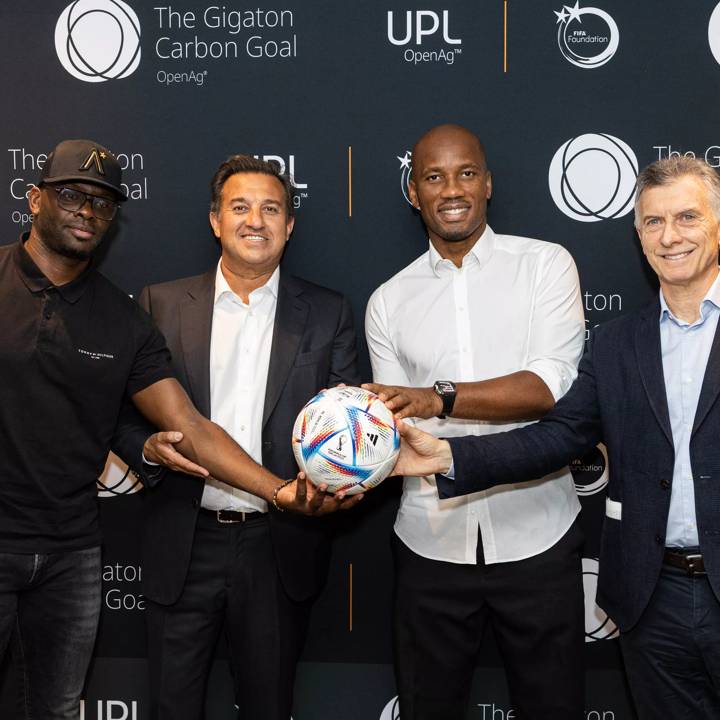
[83,161]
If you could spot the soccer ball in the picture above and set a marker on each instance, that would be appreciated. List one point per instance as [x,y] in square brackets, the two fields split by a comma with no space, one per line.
[347,438]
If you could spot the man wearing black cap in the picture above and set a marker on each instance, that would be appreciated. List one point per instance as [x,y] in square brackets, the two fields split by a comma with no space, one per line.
[73,347]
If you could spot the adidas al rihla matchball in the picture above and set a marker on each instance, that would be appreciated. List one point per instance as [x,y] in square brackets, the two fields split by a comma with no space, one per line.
[347,438]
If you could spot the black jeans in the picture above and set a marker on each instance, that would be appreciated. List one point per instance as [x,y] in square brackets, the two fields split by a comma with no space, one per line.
[53,601]
[672,656]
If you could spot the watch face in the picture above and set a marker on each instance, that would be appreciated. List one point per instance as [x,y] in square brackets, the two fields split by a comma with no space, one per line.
[444,386]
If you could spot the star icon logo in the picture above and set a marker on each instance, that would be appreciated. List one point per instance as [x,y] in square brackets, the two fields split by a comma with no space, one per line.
[575,11]
[405,160]
[568,14]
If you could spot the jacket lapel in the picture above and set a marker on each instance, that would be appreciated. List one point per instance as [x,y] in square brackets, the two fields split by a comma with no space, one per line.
[649,359]
[711,382]
[290,320]
[195,327]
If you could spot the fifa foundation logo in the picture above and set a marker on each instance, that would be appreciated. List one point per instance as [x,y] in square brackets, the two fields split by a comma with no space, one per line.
[391,711]
[714,33]
[117,479]
[98,40]
[587,37]
[590,472]
[592,177]
[405,170]
[598,626]
[420,27]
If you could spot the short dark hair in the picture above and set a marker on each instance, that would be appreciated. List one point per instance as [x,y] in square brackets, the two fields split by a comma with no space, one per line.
[248,164]
[668,170]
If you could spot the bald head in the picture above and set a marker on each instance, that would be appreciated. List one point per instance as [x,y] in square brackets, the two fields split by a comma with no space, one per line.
[444,136]
[450,185]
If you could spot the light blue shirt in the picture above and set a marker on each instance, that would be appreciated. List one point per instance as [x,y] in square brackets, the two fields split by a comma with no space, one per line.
[685,351]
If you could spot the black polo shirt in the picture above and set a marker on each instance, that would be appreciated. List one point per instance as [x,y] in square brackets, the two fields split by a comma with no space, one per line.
[68,356]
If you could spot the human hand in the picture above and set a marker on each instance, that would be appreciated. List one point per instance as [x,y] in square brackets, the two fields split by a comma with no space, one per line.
[421,453]
[406,401]
[303,497]
[160,449]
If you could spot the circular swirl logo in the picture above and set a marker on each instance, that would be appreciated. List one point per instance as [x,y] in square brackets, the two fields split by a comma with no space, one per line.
[592,177]
[391,711]
[587,37]
[117,479]
[590,472]
[598,626]
[714,33]
[98,40]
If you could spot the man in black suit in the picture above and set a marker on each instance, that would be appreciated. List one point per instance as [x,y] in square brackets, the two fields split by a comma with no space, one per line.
[648,387]
[251,344]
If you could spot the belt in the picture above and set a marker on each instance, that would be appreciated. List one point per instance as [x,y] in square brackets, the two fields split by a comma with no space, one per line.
[228,517]
[691,561]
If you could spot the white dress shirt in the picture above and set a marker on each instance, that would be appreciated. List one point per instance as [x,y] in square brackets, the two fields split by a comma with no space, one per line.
[239,359]
[513,305]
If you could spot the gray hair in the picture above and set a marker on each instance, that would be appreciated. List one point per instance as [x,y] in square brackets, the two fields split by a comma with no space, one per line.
[668,170]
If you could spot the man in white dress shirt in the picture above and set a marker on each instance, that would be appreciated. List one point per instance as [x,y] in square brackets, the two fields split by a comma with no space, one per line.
[480,334]
[251,344]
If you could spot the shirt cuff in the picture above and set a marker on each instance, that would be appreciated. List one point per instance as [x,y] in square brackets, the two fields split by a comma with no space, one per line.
[446,482]
[154,464]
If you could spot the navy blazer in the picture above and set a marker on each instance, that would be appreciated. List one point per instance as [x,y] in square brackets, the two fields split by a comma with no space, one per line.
[313,347]
[619,399]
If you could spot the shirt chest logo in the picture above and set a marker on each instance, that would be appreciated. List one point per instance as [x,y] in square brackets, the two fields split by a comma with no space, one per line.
[96,355]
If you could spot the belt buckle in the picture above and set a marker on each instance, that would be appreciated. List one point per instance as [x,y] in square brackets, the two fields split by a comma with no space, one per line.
[691,564]
[229,522]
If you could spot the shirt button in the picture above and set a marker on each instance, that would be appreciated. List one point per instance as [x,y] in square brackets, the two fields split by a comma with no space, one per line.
[664,484]
[659,539]
[242,428]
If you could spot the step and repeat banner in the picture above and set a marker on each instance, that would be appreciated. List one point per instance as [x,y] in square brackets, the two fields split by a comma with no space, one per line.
[570,100]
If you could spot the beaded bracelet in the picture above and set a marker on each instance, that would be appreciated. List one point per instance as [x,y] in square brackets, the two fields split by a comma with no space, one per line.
[275,502]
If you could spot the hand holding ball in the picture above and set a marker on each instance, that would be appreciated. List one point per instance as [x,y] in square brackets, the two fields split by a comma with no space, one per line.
[346,438]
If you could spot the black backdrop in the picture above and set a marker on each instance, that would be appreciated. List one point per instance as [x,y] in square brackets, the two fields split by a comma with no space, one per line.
[569,100]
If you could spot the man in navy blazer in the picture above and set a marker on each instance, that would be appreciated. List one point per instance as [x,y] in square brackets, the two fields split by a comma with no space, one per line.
[251,344]
[648,388]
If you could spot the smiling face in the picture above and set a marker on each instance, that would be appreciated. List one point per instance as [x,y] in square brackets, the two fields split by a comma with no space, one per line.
[679,234]
[252,223]
[73,234]
[450,186]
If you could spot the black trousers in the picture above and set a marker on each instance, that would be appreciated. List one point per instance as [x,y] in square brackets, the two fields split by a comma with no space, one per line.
[232,583]
[536,609]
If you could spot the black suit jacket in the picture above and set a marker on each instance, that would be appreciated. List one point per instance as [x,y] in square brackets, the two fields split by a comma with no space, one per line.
[313,347]
[618,398]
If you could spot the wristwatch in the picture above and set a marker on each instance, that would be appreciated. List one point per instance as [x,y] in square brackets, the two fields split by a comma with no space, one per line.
[447,391]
